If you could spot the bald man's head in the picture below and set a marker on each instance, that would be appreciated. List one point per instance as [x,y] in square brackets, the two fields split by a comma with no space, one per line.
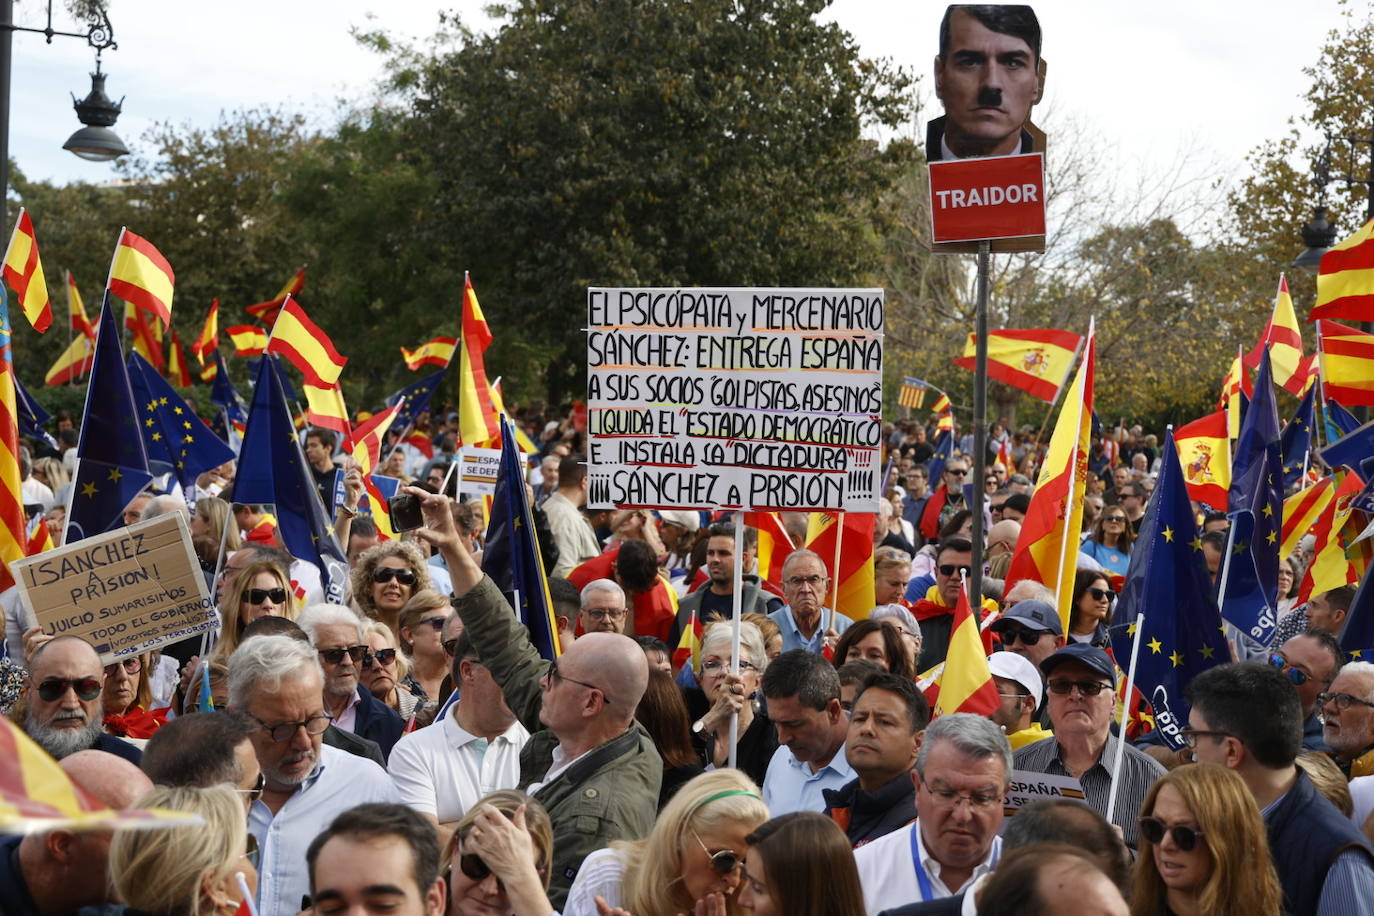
[616,664]
[113,780]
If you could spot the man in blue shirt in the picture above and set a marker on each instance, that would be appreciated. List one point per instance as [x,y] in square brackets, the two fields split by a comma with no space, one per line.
[803,693]
[804,622]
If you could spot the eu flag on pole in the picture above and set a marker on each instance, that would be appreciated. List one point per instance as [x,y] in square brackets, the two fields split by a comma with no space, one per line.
[31,415]
[1296,440]
[414,399]
[1169,596]
[944,450]
[1339,421]
[177,441]
[1250,574]
[512,556]
[112,464]
[272,471]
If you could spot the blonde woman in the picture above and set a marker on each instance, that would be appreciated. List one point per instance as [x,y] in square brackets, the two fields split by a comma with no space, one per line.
[190,870]
[211,518]
[694,853]
[500,858]
[422,624]
[383,668]
[260,589]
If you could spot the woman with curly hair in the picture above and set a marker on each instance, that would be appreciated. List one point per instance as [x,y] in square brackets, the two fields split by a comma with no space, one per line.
[385,578]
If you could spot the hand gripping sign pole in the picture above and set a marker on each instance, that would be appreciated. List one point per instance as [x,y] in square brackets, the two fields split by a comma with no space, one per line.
[737,600]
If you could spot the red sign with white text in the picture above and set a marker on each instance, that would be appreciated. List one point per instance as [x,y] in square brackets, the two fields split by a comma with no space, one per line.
[1001,197]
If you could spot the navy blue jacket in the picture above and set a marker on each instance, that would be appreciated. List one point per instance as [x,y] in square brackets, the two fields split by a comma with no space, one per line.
[1306,833]
[376,721]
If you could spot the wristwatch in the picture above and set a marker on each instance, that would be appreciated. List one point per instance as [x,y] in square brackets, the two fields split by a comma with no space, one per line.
[699,727]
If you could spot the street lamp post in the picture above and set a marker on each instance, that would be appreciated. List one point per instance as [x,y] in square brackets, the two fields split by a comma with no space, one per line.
[95,141]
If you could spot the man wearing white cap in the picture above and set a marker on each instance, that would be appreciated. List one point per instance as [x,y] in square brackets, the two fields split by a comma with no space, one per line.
[677,529]
[1019,685]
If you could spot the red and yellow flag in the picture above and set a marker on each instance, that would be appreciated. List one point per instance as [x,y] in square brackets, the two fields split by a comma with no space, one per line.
[178,372]
[1330,567]
[248,339]
[1284,342]
[1047,548]
[1345,279]
[436,352]
[1347,363]
[146,334]
[13,536]
[208,341]
[1036,360]
[848,537]
[522,441]
[1204,450]
[365,442]
[74,362]
[1301,511]
[966,684]
[23,271]
[774,544]
[308,348]
[77,310]
[477,420]
[140,275]
[941,404]
[266,312]
[324,406]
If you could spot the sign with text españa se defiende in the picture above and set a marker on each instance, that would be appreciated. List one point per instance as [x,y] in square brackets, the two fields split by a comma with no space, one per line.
[125,592]
[761,399]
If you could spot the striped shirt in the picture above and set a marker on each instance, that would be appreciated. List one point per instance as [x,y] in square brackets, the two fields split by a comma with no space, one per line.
[1138,772]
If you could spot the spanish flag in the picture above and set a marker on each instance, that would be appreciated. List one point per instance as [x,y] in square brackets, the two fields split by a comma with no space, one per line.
[140,275]
[77,310]
[941,404]
[208,341]
[365,442]
[147,336]
[1347,363]
[248,339]
[1036,360]
[851,587]
[1301,511]
[945,423]
[13,536]
[74,362]
[266,312]
[966,684]
[436,352]
[1047,549]
[522,441]
[178,372]
[1204,451]
[1345,279]
[774,544]
[23,271]
[1285,344]
[1331,567]
[324,407]
[477,417]
[310,350]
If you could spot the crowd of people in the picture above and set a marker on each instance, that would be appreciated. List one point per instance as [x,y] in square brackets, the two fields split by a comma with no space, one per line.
[411,751]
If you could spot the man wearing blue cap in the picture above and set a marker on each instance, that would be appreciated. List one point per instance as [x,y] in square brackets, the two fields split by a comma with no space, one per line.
[1031,629]
[1080,679]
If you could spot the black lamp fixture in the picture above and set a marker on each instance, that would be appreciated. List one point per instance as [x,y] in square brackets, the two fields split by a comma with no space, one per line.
[1318,234]
[96,142]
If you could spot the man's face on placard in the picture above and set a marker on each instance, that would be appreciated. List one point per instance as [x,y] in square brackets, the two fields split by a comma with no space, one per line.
[988,82]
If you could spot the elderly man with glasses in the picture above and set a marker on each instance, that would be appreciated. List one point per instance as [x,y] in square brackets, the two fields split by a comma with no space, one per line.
[1348,712]
[277,682]
[336,632]
[804,620]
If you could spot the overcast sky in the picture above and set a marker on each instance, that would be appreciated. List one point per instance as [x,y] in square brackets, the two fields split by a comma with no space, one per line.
[1209,79]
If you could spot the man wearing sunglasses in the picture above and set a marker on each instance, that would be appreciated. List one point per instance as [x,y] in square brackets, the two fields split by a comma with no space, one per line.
[1030,628]
[65,713]
[1081,680]
[1247,718]
[336,632]
[1310,661]
[935,611]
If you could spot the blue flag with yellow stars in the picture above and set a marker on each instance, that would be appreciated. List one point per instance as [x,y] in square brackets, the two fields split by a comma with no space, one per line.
[414,399]
[31,415]
[1168,595]
[511,556]
[1296,440]
[272,471]
[944,450]
[1339,421]
[177,441]
[112,464]
[1250,574]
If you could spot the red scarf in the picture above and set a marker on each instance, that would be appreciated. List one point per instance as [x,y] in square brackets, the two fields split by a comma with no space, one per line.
[137,723]
[930,515]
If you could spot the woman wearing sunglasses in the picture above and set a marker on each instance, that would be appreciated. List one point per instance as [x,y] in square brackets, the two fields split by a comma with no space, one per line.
[800,864]
[385,579]
[382,668]
[1092,608]
[1203,848]
[127,698]
[1111,540]
[694,853]
[422,624]
[499,858]
[202,868]
[260,589]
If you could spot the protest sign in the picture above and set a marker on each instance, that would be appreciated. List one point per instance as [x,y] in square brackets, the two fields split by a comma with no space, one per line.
[124,592]
[478,470]
[1028,786]
[761,399]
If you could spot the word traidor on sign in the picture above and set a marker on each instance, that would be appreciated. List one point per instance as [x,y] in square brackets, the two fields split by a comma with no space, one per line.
[763,399]
[1001,197]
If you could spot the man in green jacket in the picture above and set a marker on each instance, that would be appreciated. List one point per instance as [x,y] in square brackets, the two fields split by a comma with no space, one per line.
[588,762]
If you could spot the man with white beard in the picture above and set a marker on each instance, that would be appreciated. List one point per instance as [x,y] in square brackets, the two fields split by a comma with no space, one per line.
[65,713]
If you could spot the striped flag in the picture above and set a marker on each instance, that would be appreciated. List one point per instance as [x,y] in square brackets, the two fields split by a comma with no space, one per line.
[1284,342]
[365,443]
[23,271]
[324,407]
[308,348]
[941,404]
[1331,567]
[12,534]
[178,372]
[1301,511]
[477,416]
[1345,279]
[852,584]
[140,275]
[1036,360]
[1204,451]
[912,393]
[146,335]
[74,362]
[208,341]
[436,352]
[266,312]
[966,684]
[248,339]
[774,544]
[1347,363]
[81,324]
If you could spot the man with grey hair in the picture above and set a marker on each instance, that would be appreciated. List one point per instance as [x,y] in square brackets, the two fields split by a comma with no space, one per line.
[277,682]
[1348,714]
[65,714]
[165,505]
[336,632]
[805,622]
[962,773]
[603,607]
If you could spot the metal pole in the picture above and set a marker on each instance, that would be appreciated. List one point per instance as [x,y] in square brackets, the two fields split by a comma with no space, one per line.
[6,55]
[980,426]
[737,599]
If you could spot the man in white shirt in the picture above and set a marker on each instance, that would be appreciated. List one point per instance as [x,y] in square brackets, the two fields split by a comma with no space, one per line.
[443,770]
[571,531]
[961,776]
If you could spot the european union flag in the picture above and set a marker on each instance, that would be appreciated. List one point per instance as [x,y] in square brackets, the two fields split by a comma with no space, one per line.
[177,441]
[1296,439]
[416,399]
[1339,421]
[944,450]
[1250,576]
[1168,596]
[512,556]
[1355,450]
[272,470]
[112,465]
[32,416]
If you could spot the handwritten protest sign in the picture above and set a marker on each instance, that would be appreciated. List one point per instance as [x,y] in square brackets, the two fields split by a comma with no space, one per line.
[124,592]
[1028,786]
[762,399]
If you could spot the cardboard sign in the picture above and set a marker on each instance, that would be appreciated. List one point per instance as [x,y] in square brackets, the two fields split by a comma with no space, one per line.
[1028,786]
[124,592]
[762,399]
[997,198]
